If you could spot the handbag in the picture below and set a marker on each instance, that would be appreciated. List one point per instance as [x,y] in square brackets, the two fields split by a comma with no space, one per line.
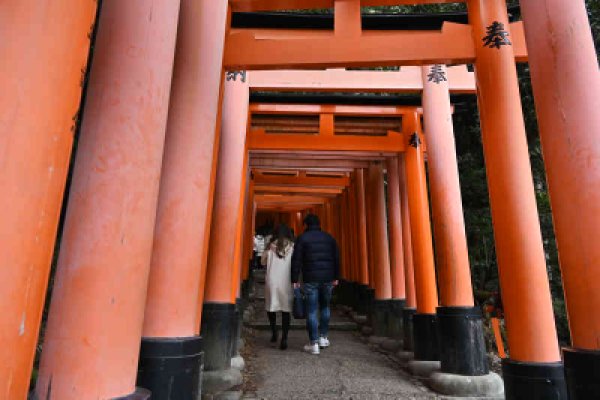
[298,308]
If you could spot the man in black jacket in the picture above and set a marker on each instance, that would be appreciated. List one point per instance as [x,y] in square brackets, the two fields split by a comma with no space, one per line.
[316,255]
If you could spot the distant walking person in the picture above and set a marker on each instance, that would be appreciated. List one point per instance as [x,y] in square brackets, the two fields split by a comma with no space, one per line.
[278,291]
[316,255]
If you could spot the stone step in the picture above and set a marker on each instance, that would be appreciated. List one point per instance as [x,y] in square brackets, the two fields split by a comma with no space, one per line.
[339,321]
[300,324]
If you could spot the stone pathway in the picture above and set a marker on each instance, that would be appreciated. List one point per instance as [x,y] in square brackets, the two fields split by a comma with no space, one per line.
[349,369]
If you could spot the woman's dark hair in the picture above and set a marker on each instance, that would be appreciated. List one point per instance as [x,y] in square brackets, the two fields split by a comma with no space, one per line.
[282,238]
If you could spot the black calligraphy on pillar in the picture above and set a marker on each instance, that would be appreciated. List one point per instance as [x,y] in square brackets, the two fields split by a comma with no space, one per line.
[414,141]
[436,74]
[232,75]
[496,36]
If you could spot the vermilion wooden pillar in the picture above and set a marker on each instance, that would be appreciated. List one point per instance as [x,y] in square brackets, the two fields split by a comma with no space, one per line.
[329,217]
[361,226]
[239,235]
[369,226]
[178,268]
[237,276]
[348,224]
[248,231]
[566,84]
[452,259]
[463,353]
[219,317]
[424,321]
[410,307]
[396,250]
[364,226]
[97,310]
[349,285]
[344,238]
[381,256]
[395,230]
[44,51]
[354,236]
[299,223]
[532,336]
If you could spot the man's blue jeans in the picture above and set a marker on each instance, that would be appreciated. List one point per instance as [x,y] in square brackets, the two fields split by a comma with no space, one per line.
[317,296]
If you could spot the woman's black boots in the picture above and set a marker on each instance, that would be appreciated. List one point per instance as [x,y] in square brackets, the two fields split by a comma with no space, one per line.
[273,322]
[285,322]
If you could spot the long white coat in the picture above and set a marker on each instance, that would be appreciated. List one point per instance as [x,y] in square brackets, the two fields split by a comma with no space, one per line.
[279,294]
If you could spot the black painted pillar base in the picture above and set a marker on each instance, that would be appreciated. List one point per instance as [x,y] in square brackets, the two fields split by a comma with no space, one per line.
[238,322]
[408,328]
[353,295]
[363,299]
[533,381]
[462,344]
[380,317]
[395,318]
[139,394]
[245,292]
[345,292]
[171,368]
[218,325]
[369,303]
[425,337]
[582,372]
[339,292]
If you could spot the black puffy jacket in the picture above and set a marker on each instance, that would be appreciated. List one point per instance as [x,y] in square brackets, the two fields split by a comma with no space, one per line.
[316,254]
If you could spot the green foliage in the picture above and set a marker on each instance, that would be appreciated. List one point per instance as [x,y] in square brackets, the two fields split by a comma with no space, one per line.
[422,8]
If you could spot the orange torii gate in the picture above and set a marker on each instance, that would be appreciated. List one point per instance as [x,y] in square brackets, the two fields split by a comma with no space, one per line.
[111,244]
[328,139]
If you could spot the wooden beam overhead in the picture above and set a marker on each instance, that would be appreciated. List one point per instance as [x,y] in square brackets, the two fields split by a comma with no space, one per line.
[248,49]
[283,208]
[289,199]
[341,165]
[284,189]
[407,80]
[272,5]
[322,155]
[300,181]
[257,139]
[348,110]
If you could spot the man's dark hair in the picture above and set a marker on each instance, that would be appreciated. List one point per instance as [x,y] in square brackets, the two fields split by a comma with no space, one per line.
[312,220]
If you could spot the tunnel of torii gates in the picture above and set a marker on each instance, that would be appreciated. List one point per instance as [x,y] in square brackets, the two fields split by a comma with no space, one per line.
[174,163]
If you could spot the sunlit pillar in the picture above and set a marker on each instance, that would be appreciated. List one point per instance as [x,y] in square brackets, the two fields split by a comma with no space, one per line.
[178,268]
[44,51]
[219,319]
[462,353]
[566,84]
[94,329]
[534,369]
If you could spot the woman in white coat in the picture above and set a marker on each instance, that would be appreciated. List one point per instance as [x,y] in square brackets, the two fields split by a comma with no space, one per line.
[278,287]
